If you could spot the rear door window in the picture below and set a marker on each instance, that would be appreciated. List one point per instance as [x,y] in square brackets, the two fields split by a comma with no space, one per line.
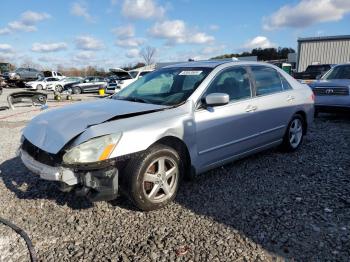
[267,80]
[285,83]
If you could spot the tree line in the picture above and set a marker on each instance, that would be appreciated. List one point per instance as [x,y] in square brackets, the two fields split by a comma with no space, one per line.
[263,54]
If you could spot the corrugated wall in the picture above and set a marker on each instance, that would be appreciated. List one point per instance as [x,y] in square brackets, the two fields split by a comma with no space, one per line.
[324,52]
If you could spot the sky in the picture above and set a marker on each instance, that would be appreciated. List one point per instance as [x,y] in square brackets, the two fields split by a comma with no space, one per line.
[112,33]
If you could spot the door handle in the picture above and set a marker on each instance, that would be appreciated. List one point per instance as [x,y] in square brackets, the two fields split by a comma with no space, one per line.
[290,98]
[251,108]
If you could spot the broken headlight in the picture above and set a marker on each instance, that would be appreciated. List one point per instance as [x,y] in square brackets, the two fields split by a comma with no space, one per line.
[94,150]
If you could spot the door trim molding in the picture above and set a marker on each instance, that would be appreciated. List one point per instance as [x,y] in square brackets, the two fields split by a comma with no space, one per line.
[239,140]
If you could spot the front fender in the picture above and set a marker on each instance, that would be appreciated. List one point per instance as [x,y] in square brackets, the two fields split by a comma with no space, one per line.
[140,132]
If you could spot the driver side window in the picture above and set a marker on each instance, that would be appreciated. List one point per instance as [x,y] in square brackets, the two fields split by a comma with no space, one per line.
[233,81]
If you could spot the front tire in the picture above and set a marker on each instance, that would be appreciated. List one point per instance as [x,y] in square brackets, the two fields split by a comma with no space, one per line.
[294,134]
[152,179]
[59,88]
[39,87]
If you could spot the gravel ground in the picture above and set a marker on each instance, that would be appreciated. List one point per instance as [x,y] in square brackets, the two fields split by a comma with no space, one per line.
[268,207]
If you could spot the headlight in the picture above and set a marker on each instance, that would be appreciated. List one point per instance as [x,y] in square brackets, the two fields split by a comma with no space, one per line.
[94,150]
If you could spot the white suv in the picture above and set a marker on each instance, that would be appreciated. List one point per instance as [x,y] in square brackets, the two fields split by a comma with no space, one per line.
[125,78]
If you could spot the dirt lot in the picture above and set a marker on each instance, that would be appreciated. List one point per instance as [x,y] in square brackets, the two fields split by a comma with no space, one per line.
[268,207]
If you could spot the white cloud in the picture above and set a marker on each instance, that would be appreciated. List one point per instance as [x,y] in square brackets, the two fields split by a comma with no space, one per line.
[113,2]
[20,26]
[211,50]
[26,23]
[129,42]
[81,10]
[5,31]
[49,47]
[142,9]
[125,31]
[176,30]
[214,27]
[133,53]
[306,13]
[84,56]
[259,42]
[5,48]
[88,43]
[30,17]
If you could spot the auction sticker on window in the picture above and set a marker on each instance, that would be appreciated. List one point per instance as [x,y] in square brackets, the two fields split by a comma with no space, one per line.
[190,73]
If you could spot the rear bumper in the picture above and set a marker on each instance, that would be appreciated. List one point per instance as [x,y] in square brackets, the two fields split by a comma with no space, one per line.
[95,184]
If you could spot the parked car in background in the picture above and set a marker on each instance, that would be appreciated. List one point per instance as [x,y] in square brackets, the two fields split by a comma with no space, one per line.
[332,91]
[68,86]
[53,74]
[112,83]
[178,121]
[24,74]
[41,84]
[125,78]
[64,83]
[89,84]
[4,68]
[312,73]
[2,84]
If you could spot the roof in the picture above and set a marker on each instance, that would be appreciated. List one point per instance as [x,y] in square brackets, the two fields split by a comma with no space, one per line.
[206,63]
[324,38]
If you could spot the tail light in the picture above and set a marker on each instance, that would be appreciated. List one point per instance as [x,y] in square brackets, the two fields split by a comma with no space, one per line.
[313,97]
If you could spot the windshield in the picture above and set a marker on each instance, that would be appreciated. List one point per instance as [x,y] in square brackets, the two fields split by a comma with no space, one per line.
[338,72]
[133,73]
[170,86]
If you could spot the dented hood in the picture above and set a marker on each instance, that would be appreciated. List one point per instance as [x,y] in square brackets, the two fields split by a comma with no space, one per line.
[52,130]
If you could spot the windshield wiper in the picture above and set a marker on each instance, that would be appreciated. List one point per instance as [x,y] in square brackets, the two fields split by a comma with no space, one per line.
[133,99]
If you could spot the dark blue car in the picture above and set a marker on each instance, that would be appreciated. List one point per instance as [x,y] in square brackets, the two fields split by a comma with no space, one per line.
[332,91]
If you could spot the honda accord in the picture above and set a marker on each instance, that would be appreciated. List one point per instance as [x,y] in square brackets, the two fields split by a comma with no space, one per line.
[173,123]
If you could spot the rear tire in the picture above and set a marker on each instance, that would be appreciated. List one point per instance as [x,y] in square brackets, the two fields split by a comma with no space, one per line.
[294,134]
[152,179]
[76,90]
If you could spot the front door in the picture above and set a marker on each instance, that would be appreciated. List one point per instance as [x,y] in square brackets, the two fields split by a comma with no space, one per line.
[223,132]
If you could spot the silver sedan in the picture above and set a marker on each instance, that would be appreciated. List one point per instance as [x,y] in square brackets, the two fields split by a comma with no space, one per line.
[177,122]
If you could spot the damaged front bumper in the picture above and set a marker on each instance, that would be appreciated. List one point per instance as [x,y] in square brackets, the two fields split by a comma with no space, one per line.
[96,184]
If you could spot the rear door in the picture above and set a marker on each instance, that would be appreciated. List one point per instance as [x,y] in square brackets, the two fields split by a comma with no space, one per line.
[276,103]
[223,132]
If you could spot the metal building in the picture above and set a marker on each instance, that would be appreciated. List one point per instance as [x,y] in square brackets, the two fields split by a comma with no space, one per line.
[323,50]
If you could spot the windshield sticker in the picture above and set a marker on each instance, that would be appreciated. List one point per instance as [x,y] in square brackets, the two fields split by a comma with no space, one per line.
[190,73]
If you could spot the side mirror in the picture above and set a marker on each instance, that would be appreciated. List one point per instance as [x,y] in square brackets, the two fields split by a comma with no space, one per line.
[318,77]
[217,99]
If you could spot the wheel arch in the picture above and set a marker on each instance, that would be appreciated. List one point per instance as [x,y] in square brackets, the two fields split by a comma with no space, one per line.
[181,147]
[304,117]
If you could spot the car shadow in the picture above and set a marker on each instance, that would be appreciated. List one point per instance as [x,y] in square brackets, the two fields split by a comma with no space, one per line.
[28,186]
[294,205]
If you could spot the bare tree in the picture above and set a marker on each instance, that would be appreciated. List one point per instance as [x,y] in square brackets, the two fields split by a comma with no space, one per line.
[148,54]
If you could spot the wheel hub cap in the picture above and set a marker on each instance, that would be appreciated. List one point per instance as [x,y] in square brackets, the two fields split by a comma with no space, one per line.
[160,179]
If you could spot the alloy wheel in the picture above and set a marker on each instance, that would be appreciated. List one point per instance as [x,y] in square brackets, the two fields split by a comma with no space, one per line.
[295,132]
[160,179]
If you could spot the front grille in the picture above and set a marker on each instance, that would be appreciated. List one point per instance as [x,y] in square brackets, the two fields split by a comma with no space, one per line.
[40,155]
[331,91]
